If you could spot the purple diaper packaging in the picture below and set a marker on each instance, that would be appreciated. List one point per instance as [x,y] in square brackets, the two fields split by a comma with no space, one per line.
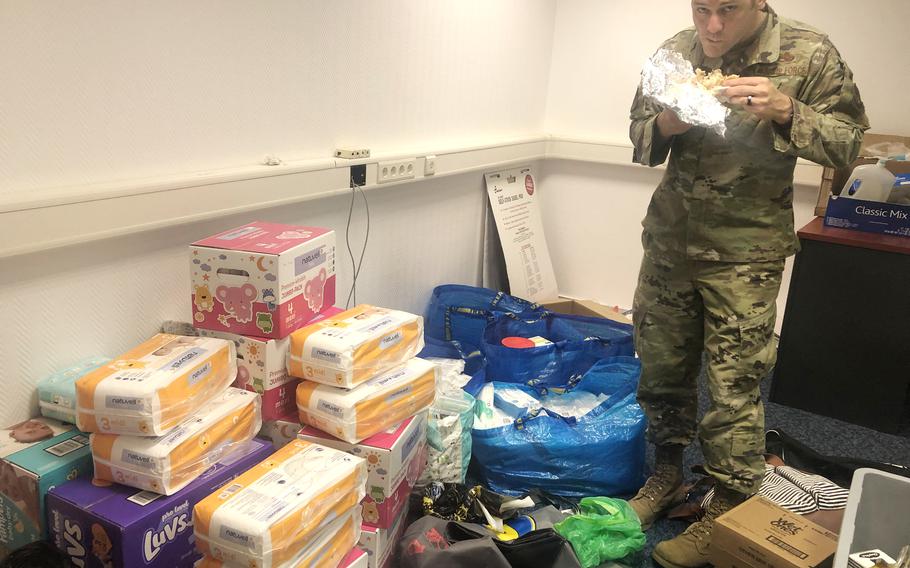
[105,525]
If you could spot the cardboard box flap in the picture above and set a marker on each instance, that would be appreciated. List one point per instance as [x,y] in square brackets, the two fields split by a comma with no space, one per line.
[261,237]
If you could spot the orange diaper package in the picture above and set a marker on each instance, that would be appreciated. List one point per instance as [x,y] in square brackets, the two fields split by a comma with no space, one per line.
[168,463]
[266,517]
[354,346]
[155,386]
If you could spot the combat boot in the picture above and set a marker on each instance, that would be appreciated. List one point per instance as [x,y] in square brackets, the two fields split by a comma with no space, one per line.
[663,490]
[691,548]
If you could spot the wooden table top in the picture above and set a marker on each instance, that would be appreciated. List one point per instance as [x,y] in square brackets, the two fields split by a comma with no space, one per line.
[817,231]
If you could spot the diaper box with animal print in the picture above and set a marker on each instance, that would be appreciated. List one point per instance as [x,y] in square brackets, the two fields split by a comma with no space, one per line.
[388,454]
[382,511]
[262,368]
[36,455]
[262,279]
[98,524]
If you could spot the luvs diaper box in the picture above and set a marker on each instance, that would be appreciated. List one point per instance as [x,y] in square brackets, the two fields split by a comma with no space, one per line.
[388,454]
[354,346]
[262,279]
[35,456]
[262,367]
[356,414]
[155,386]
[168,463]
[267,516]
[99,524]
[57,393]
[326,549]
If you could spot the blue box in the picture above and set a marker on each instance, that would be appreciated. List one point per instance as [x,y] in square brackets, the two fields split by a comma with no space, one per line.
[869,216]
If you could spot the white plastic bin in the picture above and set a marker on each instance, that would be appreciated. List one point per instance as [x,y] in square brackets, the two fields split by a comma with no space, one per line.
[877,515]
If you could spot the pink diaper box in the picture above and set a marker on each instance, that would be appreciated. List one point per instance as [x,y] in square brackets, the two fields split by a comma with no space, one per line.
[262,279]
[380,544]
[356,558]
[387,454]
[281,430]
[383,512]
[262,368]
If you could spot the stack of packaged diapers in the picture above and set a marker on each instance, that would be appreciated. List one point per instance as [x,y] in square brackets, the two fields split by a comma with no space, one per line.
[364,392]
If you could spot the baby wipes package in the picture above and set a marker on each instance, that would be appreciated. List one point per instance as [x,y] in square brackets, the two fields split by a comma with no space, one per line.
[267,516]
[37,455]
[370,408]
[98,524]
[57,393]
[156,386]
[326,549]
[168,463]
[354,346]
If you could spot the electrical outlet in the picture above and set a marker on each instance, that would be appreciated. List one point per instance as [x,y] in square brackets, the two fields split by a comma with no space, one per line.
[429,167]
[395,171]
[352,153]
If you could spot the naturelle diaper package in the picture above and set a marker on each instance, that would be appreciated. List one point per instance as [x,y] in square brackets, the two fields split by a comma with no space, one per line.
[389,454]
[99,524]
[156,386]
[262,279]
[57,393]
[262,367]
[168,463]
[267,516]
[326,549]
[354,346]
[37,455]
[356,414]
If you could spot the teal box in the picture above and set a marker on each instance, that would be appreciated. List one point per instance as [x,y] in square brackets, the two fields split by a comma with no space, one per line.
[36,455]
[57,393]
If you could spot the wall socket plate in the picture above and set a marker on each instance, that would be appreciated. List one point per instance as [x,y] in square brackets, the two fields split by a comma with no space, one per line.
[429,166]
[396,171]
[352,153]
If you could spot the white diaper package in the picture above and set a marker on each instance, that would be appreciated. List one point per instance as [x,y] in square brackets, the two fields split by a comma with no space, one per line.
[265,517]
[354,346]
[57,393]
[155,386]
[168,463]
[324,550]
[356,414]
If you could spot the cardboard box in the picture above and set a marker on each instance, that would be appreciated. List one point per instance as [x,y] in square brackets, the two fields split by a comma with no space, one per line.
[587,308]
[380,544]
[37,455]
[281,431]
[382,513]
[103,524]
[759,534]
[387,454]
[833,180]
[262,279]
[356,558]
[868,216]
[262,368]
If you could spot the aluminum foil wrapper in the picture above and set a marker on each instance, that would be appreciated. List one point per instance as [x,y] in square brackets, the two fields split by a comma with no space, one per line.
[668,78]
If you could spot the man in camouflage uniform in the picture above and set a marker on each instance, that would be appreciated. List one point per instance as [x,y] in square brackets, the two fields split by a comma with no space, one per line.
[715,237]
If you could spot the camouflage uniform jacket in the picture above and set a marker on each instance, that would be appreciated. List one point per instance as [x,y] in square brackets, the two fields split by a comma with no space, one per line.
[730,198]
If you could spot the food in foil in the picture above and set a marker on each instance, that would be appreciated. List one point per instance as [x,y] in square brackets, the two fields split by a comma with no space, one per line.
[695,96]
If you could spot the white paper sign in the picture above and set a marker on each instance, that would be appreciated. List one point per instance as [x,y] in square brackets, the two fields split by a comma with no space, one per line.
[514,202]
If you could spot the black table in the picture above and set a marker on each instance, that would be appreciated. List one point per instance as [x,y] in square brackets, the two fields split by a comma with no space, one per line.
[845,340]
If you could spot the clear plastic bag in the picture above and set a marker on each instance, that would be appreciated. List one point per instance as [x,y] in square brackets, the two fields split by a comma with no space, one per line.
[449,439]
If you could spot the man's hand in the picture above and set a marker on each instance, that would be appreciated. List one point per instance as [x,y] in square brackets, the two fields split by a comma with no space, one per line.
[670,125]
[759,96]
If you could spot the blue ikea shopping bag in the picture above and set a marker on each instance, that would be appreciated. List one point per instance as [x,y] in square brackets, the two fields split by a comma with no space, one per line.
[461,313]
[574,344]
[601,453]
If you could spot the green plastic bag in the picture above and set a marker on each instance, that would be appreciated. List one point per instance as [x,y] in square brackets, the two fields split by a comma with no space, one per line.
[604,529]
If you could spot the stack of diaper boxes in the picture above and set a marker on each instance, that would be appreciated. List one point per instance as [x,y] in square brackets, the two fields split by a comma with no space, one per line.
[256,284]
[364,392]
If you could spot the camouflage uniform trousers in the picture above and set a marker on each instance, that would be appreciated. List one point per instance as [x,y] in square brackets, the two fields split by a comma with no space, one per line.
[684,308]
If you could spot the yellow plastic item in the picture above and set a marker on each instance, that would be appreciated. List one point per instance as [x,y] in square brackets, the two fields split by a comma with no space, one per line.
[352,347]
[156,386]
[356,414]
[168,463]
[268,515]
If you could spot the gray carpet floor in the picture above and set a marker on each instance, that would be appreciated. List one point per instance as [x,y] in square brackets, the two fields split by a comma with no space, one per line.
[826,435]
